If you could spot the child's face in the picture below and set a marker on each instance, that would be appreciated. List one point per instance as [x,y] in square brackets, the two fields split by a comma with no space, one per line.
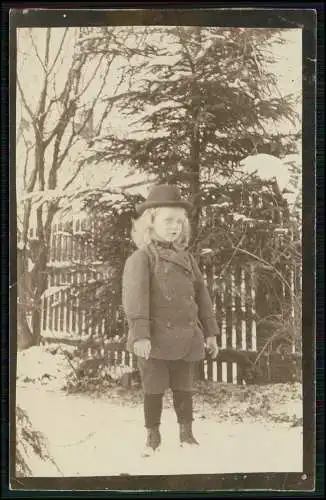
[168,223]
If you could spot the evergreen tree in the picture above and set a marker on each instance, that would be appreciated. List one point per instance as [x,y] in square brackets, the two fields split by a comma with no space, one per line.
[201,99]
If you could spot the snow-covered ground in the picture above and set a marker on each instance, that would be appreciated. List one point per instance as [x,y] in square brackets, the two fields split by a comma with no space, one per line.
[103,436]
[89,437]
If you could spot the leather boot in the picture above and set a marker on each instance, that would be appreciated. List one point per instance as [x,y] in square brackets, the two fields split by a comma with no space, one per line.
[153,441]
[186,435]
[182,401]
[153,404]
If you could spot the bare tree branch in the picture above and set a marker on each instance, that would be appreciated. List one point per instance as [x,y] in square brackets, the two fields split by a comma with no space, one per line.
[72,82]
[88,114]
[62,122]
[67,148]
[27,107]
[103,117]
[42,102]
[32,181]
[58,131]
[76,75]
[47,47]
[91,79]
[58,98]
[235,249]
[73,77]
[136,184]
[109,105]
[97,67]
[63,155]
[59,51]
[41,169]
[36,50]
[64,96]
[109,63]
[39,219]
[263,261]
[29,147]
[74,176]
[52,180]
[52,209]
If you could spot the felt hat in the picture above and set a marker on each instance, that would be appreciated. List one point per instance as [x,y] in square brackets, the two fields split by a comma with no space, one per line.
[163,195]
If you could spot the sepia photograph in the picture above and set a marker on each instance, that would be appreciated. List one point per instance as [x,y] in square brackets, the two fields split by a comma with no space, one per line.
[159,250]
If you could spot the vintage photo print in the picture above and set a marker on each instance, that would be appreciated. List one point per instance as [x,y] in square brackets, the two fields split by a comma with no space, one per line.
[162,163]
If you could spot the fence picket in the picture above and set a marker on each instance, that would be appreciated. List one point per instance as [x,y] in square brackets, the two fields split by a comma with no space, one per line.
[234,373]
[209,371]
[224,377]
[253,310]
[229,370]
[61,312]
[248,311]
[44,313]
[74,306]
[223,317]
[228,310]
[243,312]
[238,309]
[234,313]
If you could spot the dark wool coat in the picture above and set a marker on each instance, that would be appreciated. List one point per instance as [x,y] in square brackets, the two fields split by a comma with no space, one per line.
[165,299]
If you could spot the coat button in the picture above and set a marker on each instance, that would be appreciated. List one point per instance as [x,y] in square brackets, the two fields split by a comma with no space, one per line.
[168,324]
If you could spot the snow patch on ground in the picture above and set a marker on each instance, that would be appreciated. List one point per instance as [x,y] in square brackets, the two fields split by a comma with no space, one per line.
[38,365]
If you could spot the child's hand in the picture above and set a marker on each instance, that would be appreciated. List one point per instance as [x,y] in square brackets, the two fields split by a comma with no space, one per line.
[212,347]
[142,348]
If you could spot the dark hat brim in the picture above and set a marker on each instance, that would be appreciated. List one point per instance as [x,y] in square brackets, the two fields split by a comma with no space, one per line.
[141,207]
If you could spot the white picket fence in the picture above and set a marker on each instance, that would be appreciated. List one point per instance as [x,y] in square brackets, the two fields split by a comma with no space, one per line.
[62,318]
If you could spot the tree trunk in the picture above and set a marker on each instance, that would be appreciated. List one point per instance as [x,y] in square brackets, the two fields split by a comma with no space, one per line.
[31,285]
[24,298]
[25,337]
[194,183]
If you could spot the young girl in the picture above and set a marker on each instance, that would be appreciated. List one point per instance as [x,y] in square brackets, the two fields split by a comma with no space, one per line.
[168,309]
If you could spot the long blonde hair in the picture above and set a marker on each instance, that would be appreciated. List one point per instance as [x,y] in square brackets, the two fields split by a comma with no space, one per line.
[142,232]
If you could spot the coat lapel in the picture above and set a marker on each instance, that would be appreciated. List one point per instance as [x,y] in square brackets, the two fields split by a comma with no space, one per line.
[179,258]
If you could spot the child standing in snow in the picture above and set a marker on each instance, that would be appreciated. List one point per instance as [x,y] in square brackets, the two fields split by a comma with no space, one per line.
[168,309]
